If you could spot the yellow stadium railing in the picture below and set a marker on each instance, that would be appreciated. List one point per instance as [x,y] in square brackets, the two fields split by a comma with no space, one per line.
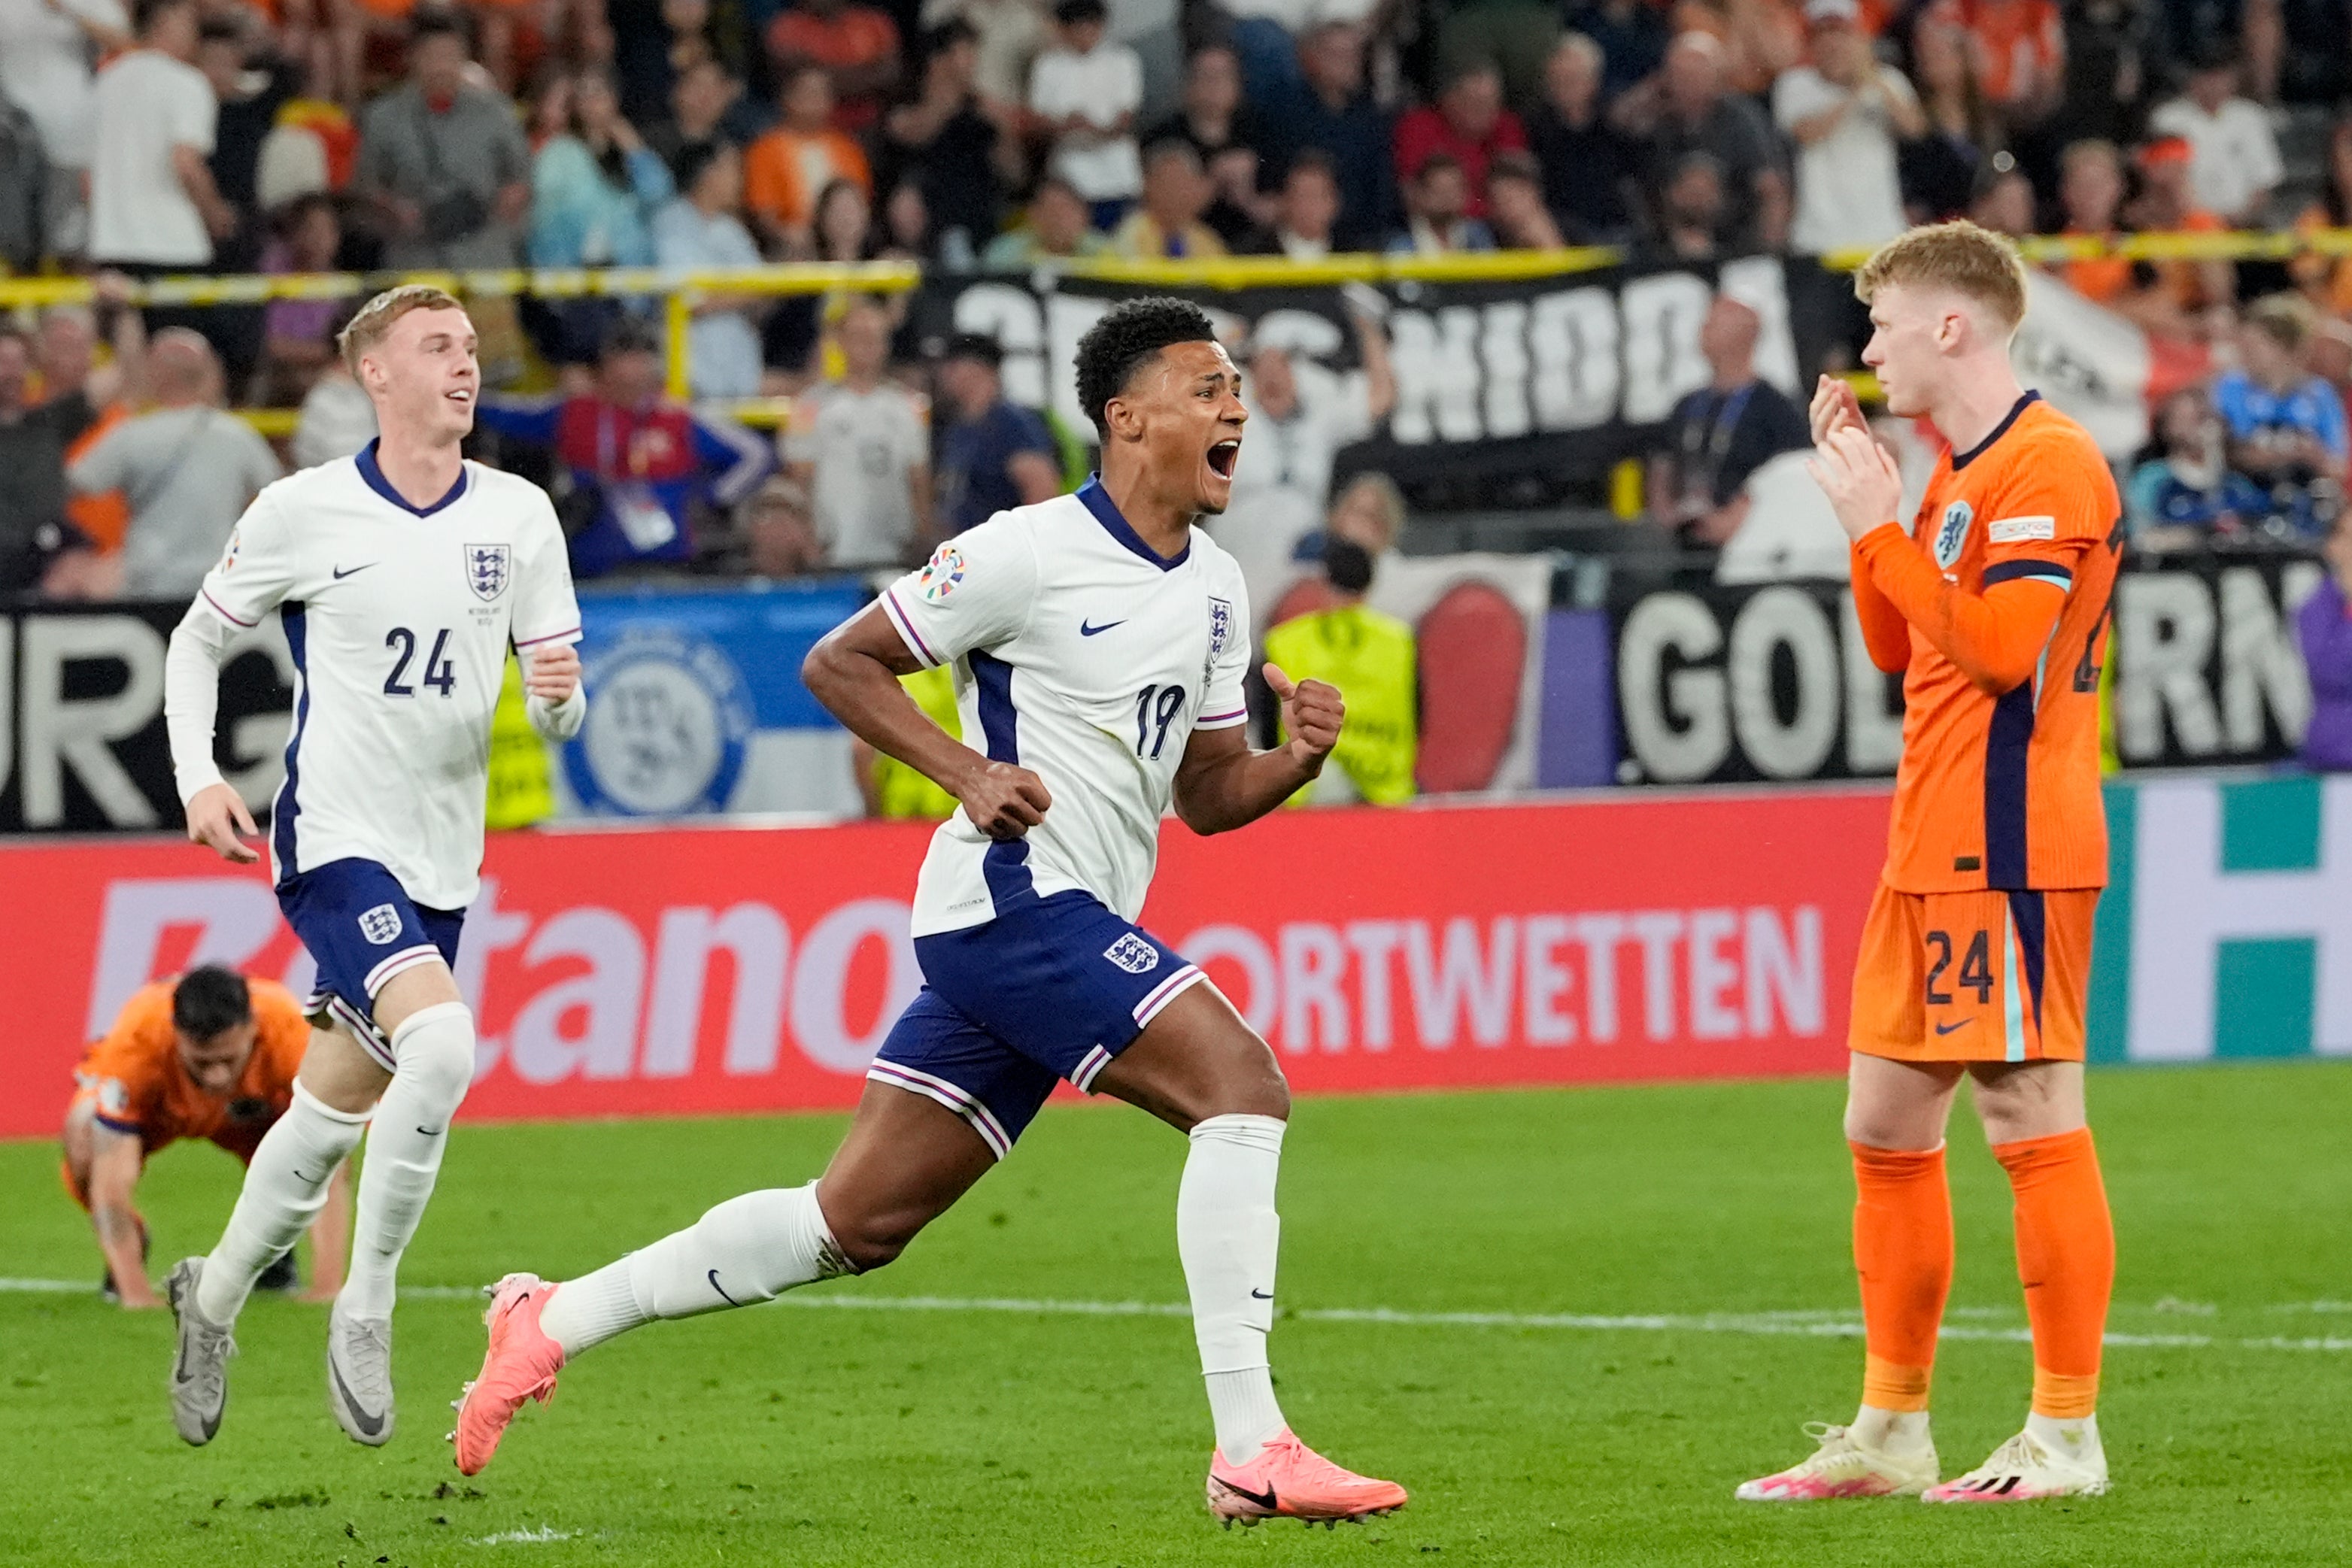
[681,290]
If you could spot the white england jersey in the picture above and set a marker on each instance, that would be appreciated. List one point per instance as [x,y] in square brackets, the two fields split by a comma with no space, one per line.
[398,618]
[1087,659]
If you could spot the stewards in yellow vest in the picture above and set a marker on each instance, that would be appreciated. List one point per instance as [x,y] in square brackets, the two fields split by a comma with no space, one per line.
[522,788]
[1370,657]
[892,788]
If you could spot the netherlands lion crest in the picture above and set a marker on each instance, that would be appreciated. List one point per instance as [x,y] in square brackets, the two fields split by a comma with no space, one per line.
[488,567]
[1952,533]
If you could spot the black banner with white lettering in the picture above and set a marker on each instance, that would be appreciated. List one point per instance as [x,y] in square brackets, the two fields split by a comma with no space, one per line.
[82,746]
[1772,681]
[1552,377]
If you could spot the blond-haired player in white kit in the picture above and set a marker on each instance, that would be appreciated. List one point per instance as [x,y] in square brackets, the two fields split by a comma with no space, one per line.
[401,576]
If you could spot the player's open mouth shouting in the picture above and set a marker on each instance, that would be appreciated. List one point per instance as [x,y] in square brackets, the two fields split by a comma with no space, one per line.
[1222,457]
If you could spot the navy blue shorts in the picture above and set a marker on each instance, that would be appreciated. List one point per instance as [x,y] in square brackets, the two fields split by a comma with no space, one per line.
[361,930]
[1052,988]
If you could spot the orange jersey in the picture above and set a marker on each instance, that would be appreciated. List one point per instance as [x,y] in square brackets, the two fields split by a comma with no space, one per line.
[138,1086]
[1999,786]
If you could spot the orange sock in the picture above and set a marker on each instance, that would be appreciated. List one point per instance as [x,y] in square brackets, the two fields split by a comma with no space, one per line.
[1903,1250]
[2066,1256]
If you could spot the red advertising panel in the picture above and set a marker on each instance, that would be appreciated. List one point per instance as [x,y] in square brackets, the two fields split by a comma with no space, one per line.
[627,973]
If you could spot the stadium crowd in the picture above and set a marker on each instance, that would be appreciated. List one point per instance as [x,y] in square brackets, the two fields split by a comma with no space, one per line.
[166,136]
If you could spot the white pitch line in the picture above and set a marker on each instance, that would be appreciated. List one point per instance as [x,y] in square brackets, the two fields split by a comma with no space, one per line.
[1817,1325]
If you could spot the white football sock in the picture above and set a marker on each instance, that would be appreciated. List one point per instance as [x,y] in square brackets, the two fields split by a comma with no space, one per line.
[2074,1440]
[435,1049]
[746,1250]
[284,1188]
[1228,1234]
[1891,1431]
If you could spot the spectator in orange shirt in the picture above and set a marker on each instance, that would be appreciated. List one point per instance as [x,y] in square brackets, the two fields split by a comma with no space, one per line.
[2189,290]
[2091,191]
[855,46]
[787,169]
[211,1055]
[2021,49]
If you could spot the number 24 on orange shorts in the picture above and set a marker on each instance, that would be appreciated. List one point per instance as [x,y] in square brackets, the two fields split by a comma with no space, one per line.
[1974,977]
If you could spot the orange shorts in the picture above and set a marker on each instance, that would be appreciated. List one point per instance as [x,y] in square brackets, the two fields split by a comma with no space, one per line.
[1974,977]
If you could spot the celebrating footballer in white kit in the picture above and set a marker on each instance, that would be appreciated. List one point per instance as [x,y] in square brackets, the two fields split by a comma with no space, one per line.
[1099,642]
[401,577]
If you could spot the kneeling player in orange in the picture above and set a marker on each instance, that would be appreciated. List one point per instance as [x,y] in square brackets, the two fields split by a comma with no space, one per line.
[211,1055]
[1975,961]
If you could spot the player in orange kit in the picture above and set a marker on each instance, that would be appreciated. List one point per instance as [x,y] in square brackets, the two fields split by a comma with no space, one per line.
[1976,957]
[210,1055]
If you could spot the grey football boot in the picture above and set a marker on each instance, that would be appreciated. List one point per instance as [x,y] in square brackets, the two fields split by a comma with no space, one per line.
[200,1369]
[359,1376]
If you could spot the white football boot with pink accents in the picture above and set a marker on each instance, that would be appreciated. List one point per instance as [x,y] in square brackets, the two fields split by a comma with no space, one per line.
[2027,1469]
[1844,1467]
[1290,1481]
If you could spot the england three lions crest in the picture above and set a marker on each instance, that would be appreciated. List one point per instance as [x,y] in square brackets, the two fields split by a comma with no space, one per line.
[1221,632]
[487,570]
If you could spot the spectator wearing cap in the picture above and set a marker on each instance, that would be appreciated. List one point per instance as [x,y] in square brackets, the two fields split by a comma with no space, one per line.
[1467,124]
[1846,112]
[188,467]
[1515,206]
[702,230]
[1588,166]
[2189,290]
[993,454]
[1686,108]
[855,46]
[1372,658]
[443,161]
[1722,433]
[790,166]
[862,445]
[1053,229]
[2234,154]
[639,474]
[2325,627]
[1437,205]
[1334,113]
[1167,227]
[1085,93]
[946,144]
[2286,427]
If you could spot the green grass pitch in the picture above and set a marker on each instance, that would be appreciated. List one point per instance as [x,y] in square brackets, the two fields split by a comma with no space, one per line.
[972,1435]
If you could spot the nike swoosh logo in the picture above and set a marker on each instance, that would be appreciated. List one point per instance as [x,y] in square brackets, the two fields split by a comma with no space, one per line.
[722,1289]
[430,1132]
[1943,1028]
[1087,631]
[342,573]
[1263,1295]
[371,1425]
[1264,1500]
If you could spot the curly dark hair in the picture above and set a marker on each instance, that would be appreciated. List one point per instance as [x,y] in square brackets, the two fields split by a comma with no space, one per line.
[1129,333]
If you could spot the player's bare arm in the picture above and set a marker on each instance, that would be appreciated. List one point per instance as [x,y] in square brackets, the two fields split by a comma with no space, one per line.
[854,672]
[1221,784]
[114,1164]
